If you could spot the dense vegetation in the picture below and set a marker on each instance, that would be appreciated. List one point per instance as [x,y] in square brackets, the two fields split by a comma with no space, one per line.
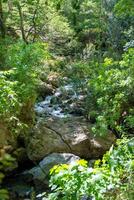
[111,177]
[91,43]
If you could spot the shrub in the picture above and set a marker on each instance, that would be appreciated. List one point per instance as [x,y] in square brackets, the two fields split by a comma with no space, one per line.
[111,88]
[18,84]
[109,178]
[6,161]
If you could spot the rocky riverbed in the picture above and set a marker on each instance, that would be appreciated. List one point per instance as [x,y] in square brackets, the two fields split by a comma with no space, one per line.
[61,134]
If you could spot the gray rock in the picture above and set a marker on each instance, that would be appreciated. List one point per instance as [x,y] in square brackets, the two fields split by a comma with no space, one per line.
[69,135]
[40,173]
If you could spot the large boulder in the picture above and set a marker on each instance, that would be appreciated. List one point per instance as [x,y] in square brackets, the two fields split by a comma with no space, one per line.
[66,135]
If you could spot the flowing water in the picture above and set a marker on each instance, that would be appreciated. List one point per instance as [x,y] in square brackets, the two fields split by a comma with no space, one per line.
[62,104]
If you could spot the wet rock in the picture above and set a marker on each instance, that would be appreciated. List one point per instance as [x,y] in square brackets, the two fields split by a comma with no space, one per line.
[60,129]
[66,135]
[62,103]
[40,173]
[49,107]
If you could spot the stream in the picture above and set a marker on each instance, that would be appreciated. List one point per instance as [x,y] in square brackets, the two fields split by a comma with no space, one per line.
[64,103]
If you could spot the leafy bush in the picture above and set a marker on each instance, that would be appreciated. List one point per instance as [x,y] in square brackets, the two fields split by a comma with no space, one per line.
[8,97]
[109,179]
[6,161]
[111,88]
[77,72]
[60,34]
[25,61]
[124,8]
[18,84]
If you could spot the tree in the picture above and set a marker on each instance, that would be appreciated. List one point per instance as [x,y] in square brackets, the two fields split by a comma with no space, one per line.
[2,23]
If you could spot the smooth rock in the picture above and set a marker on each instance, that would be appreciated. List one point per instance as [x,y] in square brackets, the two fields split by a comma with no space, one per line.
[69,135]
[40,173]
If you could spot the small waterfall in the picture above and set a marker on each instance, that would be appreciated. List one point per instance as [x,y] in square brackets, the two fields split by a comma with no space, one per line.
[60,104]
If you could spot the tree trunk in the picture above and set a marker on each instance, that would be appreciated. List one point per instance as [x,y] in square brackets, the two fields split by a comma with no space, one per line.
[21,23]
[2,24]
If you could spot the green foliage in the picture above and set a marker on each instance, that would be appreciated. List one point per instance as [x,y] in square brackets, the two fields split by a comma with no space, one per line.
[18,85]
[109,179]
[59,33]
[83,17]
[125,8]
[96,32]
[111,88]
[77,71]
[8,97]
[6,161]
[25,61]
